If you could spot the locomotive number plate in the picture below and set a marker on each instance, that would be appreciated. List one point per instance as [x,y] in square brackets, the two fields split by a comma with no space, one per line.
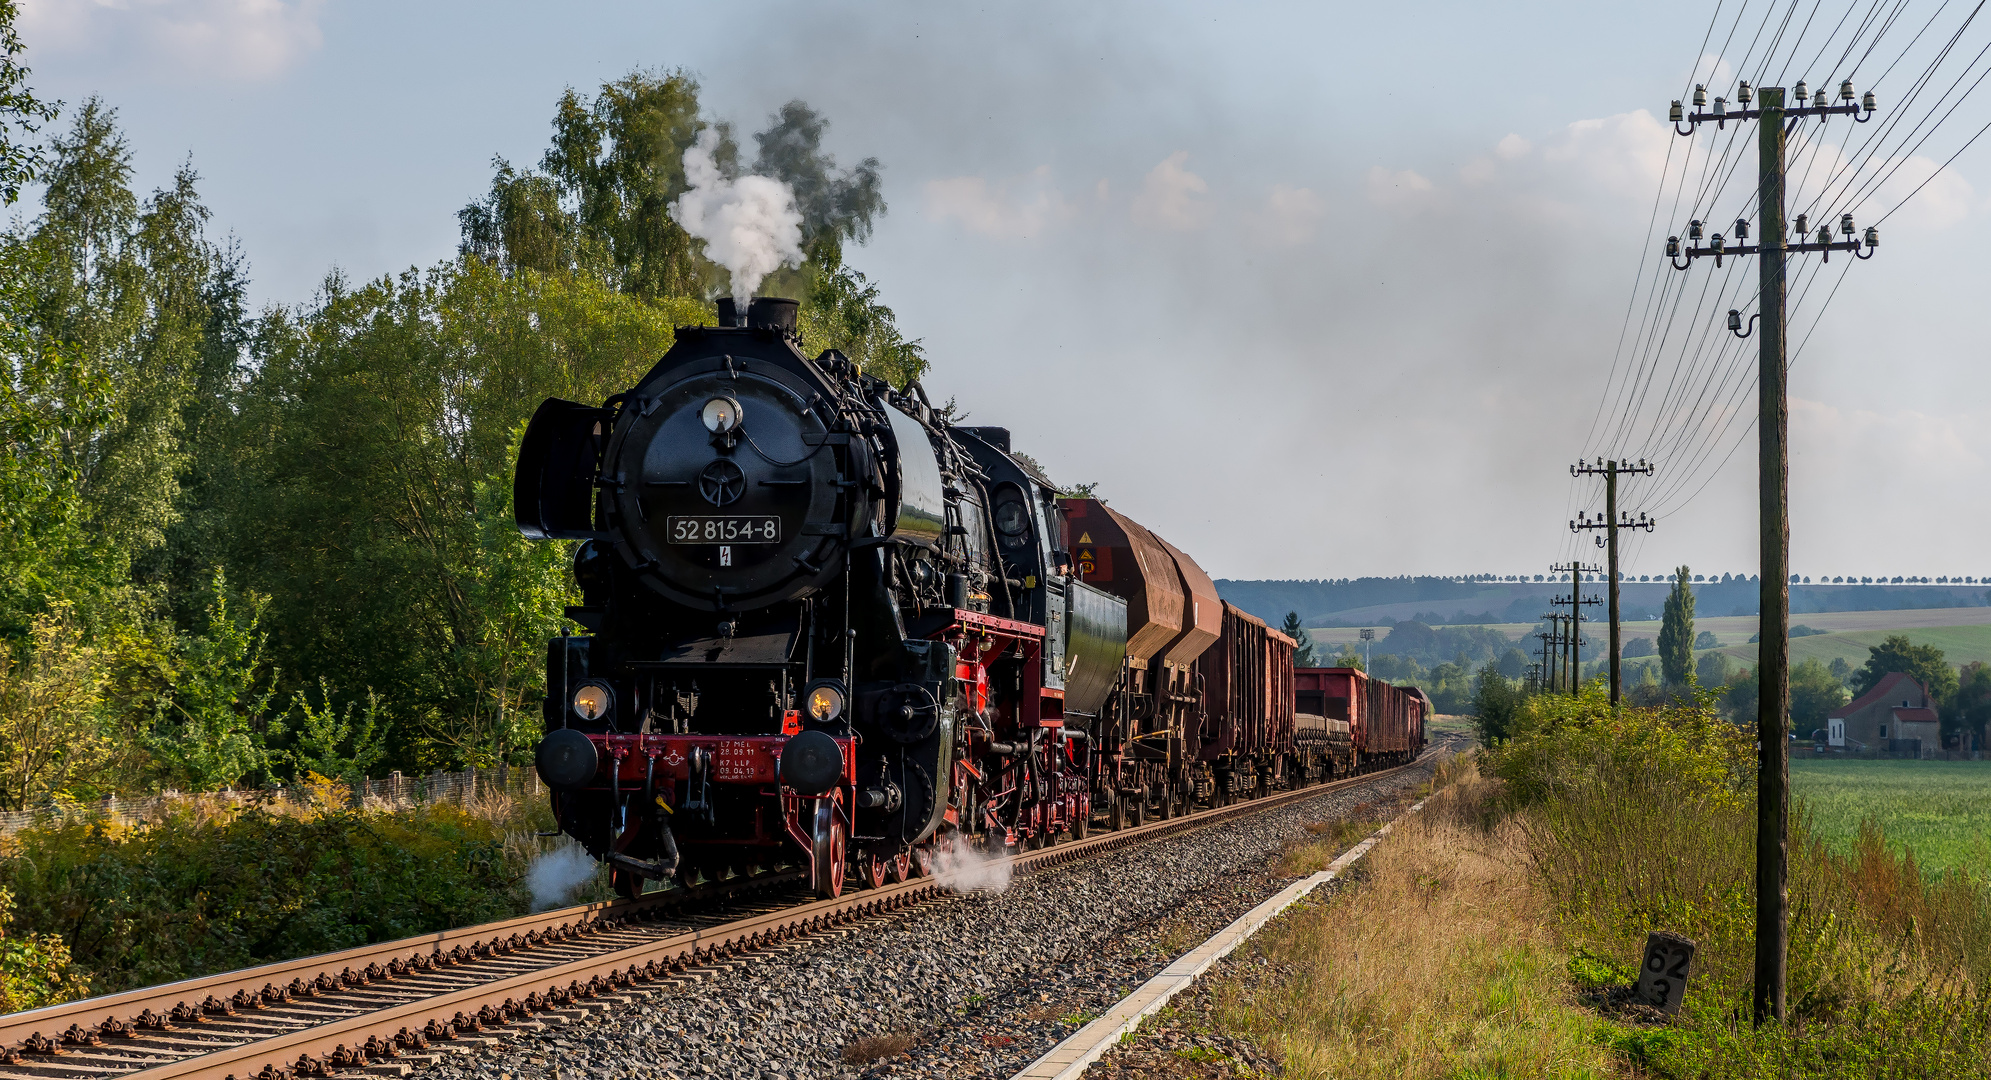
[723,529]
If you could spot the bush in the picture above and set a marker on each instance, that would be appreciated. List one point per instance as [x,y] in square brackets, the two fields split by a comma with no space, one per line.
[197,893]
[1497,703]
[1645,820]
[35,969]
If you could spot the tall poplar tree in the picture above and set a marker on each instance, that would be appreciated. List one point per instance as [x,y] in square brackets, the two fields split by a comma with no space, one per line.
[1676,631]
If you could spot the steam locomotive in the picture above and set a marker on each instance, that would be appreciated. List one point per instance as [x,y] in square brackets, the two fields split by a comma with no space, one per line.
[826,627]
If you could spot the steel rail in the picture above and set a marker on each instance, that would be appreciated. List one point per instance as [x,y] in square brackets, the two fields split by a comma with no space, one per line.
[404,1028]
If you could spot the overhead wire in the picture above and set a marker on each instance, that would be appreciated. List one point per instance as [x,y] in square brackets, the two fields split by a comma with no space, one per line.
[1677,420]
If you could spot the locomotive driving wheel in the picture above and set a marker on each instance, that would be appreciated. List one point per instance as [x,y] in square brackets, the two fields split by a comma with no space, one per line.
[828,854]
[923,859]
[627,884]
[872,870]
[900,866]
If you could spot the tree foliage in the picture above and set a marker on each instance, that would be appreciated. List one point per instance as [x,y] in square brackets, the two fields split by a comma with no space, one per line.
[1924,663]
[378,519]
[1497,705]
[1815,692]
[1303,653]
[52,739]
[1970,706]
[1676,632]
[262,544]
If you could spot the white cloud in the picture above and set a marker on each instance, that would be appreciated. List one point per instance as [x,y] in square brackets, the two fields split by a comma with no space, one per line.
[228,39]
[1168,196]
[1017,208]
[1511,147]
[1290,215]
[1403,188]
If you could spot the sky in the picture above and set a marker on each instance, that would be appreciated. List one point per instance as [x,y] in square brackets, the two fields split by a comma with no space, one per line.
[1313,291]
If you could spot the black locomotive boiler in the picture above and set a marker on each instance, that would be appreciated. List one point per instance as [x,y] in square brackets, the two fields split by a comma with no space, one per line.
[822,624]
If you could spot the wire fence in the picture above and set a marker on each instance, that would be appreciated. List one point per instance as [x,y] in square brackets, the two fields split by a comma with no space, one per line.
[396,791]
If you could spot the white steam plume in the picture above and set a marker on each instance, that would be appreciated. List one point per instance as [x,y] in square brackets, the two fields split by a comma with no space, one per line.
[957,866]
[750,226]
[554,875]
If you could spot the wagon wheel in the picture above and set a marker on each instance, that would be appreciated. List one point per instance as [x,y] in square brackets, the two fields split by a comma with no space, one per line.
[1082,821]
[1116,815]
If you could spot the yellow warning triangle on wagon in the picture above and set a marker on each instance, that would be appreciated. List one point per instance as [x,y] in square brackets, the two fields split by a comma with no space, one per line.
[1085,538]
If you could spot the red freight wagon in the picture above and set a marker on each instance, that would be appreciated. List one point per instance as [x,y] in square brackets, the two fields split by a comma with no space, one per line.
[1247,703]
[1385,724]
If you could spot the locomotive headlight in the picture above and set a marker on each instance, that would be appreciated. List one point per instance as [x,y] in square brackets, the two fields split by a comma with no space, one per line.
[592,700]
[824,700]
[720,414]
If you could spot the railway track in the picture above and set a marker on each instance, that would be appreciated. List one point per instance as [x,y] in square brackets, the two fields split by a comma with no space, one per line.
[388,1007]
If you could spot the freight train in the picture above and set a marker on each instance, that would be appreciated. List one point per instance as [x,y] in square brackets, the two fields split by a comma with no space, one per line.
[822,626]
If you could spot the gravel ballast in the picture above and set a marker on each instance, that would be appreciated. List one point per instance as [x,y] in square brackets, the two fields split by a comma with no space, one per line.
[978,986]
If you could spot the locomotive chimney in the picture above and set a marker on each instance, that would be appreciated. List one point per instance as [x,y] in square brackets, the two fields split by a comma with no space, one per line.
[729,313]
[772,313]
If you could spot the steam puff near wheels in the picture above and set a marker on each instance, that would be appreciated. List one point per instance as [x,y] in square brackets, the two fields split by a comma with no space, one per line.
[554,875]
[825,629]
[962,869]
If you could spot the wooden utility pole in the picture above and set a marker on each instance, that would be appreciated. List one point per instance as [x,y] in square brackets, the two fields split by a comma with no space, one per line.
[1773,661]
[1551,649]
[1576,603]
[1773,476]
[1610,523]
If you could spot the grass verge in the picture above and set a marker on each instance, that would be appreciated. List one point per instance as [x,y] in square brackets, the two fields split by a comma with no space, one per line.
[1490,935]
[1437,961]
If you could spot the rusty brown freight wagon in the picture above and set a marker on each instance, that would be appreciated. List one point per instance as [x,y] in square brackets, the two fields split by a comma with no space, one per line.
[1247,704]
[1173,616]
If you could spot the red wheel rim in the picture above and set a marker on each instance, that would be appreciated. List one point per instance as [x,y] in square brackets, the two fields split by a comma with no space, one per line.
[836,857]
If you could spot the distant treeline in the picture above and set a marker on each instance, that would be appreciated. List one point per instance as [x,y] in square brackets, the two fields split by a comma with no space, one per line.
[1439,600]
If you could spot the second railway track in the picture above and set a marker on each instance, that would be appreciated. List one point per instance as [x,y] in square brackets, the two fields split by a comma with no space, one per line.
[405,1001]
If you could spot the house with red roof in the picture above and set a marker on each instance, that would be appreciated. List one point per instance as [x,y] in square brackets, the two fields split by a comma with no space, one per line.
[1896,715]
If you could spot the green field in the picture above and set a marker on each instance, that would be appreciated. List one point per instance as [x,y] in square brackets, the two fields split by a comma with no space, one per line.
[1963,634]
[1940,810]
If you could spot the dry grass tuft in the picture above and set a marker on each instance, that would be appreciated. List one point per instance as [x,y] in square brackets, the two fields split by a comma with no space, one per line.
[1439,964]
[1325,842]
[872,1048]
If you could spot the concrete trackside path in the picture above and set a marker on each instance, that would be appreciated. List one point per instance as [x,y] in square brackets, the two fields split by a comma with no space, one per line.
[1068,1059]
